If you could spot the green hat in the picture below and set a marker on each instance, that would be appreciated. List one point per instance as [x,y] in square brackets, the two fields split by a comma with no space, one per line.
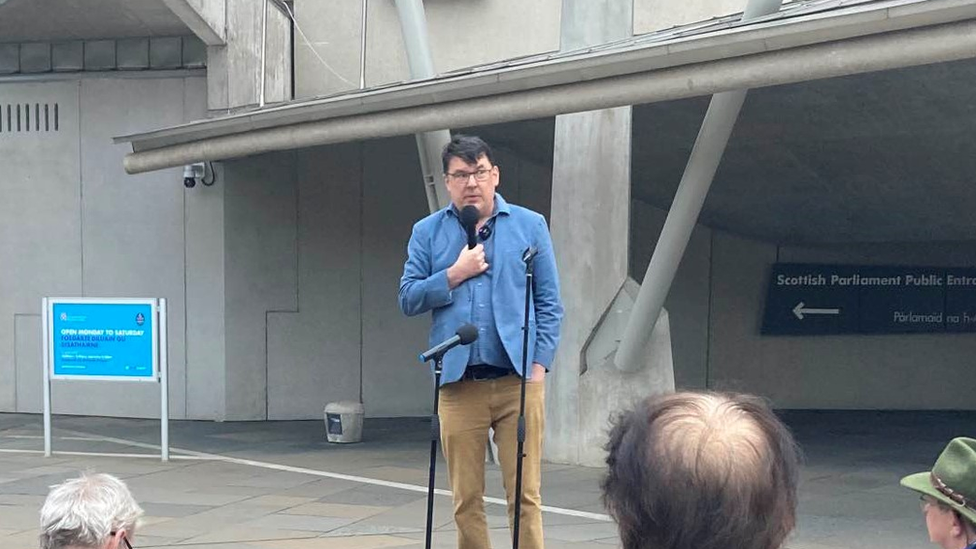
[953,479]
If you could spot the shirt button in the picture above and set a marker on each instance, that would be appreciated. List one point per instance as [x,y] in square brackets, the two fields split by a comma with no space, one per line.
[482,305]
[479,284]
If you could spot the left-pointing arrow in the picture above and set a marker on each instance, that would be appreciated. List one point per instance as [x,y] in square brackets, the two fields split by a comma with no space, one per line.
[800,310]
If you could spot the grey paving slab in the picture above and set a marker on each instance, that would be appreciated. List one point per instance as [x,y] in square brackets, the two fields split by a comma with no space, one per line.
[246,492]
[18,518]
[320,488]
[35,485]
[274,480]
[552,519]
[580,532]
[168,495]
[373,495]
[172,509]
[337,510]
[360,529]
[300,522]
[144,540]
[241,534]
[22,500]
[383,541]
[25,538]
[414,515]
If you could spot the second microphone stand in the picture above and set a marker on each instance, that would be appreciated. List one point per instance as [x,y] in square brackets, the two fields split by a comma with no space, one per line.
[528,256]
[435,435]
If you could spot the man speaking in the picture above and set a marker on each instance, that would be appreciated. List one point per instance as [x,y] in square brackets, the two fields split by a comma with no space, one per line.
[465,264]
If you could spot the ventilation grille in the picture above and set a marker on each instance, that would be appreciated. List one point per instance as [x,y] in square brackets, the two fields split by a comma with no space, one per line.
[29,118]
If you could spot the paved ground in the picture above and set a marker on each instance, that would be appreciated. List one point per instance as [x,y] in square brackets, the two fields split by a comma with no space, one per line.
[280,485]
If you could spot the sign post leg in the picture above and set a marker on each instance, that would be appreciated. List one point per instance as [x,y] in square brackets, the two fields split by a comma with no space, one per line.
[45,337]
[163,382]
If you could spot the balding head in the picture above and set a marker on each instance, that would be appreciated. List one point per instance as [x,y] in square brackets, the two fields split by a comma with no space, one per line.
[702,471]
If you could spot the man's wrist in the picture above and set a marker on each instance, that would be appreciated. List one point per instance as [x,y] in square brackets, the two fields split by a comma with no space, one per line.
[453,279]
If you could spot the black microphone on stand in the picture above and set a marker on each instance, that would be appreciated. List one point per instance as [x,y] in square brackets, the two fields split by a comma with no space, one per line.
[464,335]
[469,220]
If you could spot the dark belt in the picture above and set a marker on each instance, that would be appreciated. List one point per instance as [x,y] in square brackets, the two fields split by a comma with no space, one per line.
[484,372]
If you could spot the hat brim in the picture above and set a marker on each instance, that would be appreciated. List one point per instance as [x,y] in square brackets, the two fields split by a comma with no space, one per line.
[922,483]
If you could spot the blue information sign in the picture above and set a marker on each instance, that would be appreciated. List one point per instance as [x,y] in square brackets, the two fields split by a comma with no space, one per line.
[812,299]
[110,339]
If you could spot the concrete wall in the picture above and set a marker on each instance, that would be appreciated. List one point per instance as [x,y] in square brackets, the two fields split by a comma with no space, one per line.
[205,291]
[314,351]
[40,226]
[73,224]
[462,34]
[261,272]
[716,307]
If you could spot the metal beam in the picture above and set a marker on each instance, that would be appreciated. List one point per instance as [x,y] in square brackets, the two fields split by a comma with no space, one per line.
[891,50]
[413,24]
[713,137]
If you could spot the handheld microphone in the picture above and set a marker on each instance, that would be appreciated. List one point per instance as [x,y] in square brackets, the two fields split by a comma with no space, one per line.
[464,335]
[469,220]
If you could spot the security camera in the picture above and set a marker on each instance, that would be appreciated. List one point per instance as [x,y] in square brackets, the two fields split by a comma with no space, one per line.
[192,172]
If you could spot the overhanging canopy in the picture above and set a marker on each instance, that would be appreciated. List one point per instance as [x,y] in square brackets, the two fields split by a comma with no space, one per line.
[805,41]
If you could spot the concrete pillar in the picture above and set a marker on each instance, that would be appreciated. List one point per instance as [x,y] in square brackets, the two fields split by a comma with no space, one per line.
[413,25]
[590,190]
[234,70]
[206,18]
[235,36]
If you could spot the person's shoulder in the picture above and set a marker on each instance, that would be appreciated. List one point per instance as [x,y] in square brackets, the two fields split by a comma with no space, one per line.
[429,222]
[526,215]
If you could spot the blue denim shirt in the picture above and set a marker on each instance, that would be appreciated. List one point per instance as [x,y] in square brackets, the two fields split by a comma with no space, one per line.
[434,246]
[488,348]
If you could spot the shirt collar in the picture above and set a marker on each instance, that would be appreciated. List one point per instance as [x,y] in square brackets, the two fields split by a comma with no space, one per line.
[501,207]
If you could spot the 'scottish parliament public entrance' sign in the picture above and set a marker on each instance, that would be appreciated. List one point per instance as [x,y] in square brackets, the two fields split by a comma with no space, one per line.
[811,299]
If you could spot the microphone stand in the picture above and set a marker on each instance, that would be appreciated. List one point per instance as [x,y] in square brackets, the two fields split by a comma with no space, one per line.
[528,256]
[435,435]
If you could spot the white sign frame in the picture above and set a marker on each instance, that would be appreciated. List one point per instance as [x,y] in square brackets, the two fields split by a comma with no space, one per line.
[153,305]
[159,335]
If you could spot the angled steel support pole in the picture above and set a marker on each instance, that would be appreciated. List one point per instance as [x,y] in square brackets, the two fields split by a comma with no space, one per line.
[723,111]
[413,24]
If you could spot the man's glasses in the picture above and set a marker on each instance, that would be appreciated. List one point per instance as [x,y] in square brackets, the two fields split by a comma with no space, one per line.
[480,176]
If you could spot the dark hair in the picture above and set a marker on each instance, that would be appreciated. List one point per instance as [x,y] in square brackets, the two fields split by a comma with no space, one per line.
[468,148]
[702,471]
